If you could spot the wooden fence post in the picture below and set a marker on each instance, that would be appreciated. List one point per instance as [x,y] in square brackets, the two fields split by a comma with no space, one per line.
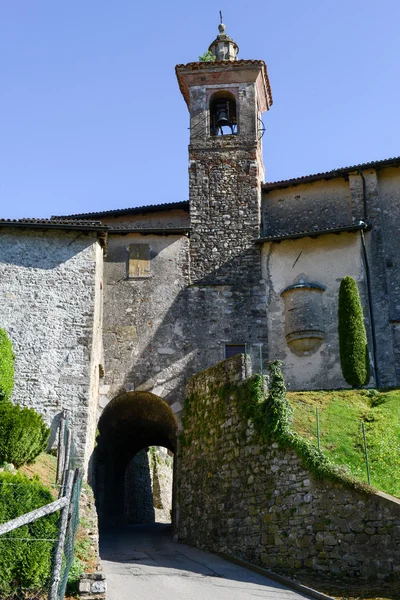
[58,556]
[61,449]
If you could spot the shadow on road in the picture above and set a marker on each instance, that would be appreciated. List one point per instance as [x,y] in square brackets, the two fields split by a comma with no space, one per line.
[142,561]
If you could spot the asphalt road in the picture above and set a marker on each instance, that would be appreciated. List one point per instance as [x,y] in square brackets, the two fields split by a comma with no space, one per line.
[142,563]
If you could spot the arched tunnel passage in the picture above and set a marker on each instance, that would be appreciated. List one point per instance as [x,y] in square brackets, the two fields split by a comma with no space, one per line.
[130,423]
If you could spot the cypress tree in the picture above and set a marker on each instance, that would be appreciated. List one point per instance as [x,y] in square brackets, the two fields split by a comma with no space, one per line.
[6,366]
[354,358]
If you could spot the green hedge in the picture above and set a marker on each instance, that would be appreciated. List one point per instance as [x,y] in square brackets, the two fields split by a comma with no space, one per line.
[25,560]
[6,366]
[23,434]
[353,345]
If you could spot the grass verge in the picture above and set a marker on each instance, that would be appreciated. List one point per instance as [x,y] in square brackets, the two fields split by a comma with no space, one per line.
[340,416]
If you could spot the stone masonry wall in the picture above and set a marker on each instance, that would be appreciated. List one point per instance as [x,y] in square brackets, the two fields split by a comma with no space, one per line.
[305,207]
[148,487]
[49,302]
[145,338]
[240,495]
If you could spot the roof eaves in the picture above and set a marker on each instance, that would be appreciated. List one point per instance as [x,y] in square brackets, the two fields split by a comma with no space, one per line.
[224,64]
[341,172]
[46,224]
[136,210]
[150,230]
[360,226]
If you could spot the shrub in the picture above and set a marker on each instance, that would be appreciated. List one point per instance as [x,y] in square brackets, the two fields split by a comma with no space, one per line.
[25,560]
[207,57]
[353,345]
[23,434]
[6,366]
[278,408]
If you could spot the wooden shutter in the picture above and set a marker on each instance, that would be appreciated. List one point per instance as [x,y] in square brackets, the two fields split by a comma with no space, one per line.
[139,260]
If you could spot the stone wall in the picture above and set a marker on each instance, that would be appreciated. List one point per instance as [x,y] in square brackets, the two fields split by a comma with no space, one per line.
[50,305]
[146,344]
[139,506]
[148,487]
[243,496]
[305,207]
[160,218]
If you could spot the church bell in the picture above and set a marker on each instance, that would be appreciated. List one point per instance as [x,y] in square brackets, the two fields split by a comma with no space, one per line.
[223,113]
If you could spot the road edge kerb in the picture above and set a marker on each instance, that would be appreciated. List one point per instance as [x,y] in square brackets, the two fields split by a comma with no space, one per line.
[290,583]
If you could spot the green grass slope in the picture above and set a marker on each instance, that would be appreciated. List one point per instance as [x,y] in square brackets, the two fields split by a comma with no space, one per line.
[340,416]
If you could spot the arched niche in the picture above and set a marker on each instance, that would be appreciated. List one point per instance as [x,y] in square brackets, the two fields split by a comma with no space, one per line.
[223,113]
[304,324]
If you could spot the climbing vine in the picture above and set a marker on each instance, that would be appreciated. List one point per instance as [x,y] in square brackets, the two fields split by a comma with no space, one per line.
[270,413]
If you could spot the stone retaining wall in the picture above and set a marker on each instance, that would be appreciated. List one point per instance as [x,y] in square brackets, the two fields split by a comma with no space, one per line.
[242,496]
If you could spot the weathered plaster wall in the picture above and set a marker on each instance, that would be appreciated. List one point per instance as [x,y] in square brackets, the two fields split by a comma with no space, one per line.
[243,496]
[146,346]
[317,205]
[167,218]
[324,260]
[50,307]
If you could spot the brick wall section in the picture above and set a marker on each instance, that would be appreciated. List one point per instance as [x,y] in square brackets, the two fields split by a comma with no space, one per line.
[242,496]
[49,301]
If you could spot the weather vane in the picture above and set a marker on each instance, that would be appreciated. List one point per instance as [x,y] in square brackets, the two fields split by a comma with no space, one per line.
[220,15]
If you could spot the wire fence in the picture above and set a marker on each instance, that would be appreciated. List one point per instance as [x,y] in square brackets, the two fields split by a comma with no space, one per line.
[38,525]
[350,435]
[351,441]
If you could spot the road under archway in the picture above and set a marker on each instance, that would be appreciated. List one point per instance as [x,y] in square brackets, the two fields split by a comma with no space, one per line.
[131,422]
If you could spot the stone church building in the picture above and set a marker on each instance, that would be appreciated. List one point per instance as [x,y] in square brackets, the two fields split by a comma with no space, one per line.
[136,300]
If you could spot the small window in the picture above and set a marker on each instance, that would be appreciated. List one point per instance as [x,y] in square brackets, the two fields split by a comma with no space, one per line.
[139,260]
[234,349]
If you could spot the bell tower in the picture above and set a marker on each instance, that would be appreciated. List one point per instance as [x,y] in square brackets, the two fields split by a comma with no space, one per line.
[226,98]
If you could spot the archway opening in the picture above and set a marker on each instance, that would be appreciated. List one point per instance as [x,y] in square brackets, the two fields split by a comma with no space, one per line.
[134,459]
[223,114]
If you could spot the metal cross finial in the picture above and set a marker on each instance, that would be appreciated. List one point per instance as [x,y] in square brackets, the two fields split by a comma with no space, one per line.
[220,16]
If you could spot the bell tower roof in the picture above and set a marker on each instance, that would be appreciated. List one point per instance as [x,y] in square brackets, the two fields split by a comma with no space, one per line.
[224,47]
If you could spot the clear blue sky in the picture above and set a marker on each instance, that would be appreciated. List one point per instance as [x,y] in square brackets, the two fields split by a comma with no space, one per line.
[91,117]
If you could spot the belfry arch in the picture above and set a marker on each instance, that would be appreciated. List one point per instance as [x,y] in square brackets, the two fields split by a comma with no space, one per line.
[131,422]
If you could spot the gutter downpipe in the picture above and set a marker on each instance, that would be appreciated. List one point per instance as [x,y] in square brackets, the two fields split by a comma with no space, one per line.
[368,282]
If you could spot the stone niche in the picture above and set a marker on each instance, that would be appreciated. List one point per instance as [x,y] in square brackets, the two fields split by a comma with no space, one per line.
[304,324]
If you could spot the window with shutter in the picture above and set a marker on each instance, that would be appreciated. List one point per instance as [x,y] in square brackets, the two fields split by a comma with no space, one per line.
[139,261]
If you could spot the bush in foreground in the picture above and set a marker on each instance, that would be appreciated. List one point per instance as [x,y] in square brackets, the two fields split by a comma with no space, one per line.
[23,434]
[353,346]
[25,553]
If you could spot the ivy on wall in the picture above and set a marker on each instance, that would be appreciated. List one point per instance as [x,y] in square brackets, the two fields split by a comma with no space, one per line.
[270,413]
